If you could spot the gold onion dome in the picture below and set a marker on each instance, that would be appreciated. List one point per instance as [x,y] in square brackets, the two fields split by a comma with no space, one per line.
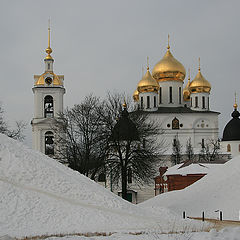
[186,90]
[169,68]
[136,95]
[199,83]
[147,83]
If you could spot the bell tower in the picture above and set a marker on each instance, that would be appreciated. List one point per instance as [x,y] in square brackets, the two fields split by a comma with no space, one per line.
[48,93]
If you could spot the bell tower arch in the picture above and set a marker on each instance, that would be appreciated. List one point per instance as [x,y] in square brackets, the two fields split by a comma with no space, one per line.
[48,93]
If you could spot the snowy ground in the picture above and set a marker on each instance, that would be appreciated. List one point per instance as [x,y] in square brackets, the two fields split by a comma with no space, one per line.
[217,191]
[39,196]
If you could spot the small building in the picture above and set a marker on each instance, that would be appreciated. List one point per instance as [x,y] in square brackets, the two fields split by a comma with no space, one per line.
[231,134]
[181,176]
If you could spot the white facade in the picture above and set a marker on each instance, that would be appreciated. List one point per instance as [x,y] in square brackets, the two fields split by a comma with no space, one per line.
[48,93]
[231,147]
[170,94]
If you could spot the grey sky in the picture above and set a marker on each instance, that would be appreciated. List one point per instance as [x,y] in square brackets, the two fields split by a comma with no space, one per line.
[102,45]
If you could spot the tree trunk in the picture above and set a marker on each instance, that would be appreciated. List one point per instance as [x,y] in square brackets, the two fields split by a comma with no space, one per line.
[124,182]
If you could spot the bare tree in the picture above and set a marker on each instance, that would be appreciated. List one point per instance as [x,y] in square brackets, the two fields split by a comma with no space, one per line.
[132,146]
[189,150]
[176,154]
[17,132]
[210,151]
[79,137]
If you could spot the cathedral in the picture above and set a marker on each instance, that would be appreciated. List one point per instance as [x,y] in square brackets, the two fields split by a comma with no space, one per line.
[183,112]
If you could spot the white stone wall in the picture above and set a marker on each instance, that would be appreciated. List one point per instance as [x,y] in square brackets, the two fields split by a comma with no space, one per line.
[151,96]
[234,147]
[199,105]
[165,85]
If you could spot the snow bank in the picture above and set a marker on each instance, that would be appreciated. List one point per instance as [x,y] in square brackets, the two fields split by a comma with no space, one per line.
[39,196]
[219,190]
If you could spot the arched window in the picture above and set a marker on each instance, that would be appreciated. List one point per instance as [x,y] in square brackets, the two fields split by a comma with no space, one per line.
[180,95]
[48,106]
[196,102]
[129,175]
[160,95]
[228,148]
[141,106]
[203,102]
[170,95]
[175,123]
[102,177]
[154,101]
[49,143]
[148,101]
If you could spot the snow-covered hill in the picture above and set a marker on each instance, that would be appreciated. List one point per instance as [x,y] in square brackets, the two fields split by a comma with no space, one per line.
[39,196]
[219,190]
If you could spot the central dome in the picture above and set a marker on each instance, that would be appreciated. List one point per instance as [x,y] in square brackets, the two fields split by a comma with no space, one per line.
[169,68]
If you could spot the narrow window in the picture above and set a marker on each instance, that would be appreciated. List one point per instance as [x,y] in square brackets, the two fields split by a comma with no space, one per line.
[49,143]
[170,94]
[155,101]
[141,103]
[196,102]
[203,102]
[191,101]
[48,106]
[160,95]
[102,177]
[129,175]
[228,148]
[239,147]
[148,101]
[208,103]
[48,66]
[203,144]
[180,95]
[144,143]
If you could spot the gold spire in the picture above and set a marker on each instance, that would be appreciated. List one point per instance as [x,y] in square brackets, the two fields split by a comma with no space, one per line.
[186,90]
[168,46]
[124,103]
[48,50]
[235,104]
[199,68]
[147,63]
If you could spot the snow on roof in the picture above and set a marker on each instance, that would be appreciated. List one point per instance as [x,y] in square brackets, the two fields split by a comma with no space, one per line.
[217,191]
[39,196]
[194,168]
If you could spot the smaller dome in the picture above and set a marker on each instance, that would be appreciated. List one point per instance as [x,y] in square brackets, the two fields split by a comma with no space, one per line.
[147,83]
[55,79]
[186,92]
[200,84]
[231,131]
[136,96]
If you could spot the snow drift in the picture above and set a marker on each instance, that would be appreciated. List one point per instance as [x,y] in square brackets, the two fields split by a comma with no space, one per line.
[217,191]
[39,196]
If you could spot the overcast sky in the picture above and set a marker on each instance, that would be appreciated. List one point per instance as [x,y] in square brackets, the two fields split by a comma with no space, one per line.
[102,45]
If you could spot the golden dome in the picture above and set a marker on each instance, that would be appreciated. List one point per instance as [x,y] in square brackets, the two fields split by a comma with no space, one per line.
[136,95]
[148,83]
[55,79]
[199,83]
[169,68]
[186,91]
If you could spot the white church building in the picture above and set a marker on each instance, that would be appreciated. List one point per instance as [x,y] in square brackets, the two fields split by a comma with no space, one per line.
[48,93]
[181,111]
